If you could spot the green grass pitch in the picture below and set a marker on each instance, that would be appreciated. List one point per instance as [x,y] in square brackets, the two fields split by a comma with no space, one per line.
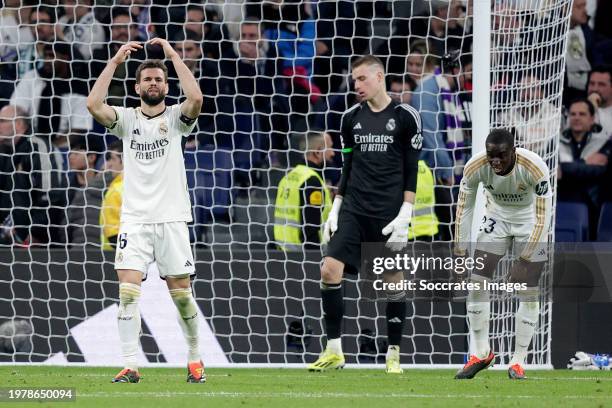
[291,388]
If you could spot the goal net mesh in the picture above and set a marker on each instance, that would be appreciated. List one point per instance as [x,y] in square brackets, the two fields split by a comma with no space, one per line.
[270,73]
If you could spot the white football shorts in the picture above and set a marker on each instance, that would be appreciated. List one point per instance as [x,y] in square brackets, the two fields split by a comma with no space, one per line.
[496,236]
[138,245]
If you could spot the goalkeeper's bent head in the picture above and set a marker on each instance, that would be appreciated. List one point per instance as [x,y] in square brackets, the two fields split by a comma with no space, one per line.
[369,75]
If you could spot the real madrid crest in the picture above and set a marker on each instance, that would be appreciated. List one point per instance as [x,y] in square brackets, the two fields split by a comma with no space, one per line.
[390,125]
[163,129]
[120,257]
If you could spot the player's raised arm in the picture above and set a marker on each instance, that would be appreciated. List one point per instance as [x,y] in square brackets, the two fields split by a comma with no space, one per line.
[192,106]
[95,101]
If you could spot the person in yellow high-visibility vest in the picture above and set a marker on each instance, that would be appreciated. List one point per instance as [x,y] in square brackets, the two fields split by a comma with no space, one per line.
[110,213]
[303,200]
[424,223]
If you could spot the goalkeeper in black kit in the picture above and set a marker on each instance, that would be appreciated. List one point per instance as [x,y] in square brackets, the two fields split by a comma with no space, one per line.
[381,144]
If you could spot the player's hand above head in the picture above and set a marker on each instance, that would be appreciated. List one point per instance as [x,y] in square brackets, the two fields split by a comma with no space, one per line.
[125,51]
[169,52]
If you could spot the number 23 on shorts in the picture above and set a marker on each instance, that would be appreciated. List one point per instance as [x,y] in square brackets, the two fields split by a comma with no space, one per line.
[488,225]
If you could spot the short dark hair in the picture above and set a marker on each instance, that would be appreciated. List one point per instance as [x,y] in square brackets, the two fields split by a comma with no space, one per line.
[501,136]
[47,10]
[152,64]
[602,69]
[437,5]
[588,103]
[197,7]
[116,146]
[120,11]
[186,35]
[368,60]
[82,142]
[59,48]
[252,20]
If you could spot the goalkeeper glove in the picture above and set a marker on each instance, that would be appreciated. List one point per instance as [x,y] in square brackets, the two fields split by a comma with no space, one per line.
[398,228]
[331,225]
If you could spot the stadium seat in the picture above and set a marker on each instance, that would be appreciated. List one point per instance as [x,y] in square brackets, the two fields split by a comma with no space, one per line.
[195,185]
[209,179]
[215,167]
[604,227]
[571,222]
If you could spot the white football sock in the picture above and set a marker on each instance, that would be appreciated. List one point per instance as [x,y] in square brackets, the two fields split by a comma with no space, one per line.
[335,345]
[188,319]
[526,319]
[128,320]
[479,314]
[392,351]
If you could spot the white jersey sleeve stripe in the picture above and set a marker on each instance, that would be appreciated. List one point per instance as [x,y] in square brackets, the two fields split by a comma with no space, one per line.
[414,113]
[536,234]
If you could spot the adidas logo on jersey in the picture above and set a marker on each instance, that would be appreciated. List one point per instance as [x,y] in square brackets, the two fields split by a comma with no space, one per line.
[136,132]
[357,126]
[188,263]
[395,320]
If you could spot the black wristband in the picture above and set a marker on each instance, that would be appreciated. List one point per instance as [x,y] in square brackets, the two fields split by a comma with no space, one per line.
[187,120]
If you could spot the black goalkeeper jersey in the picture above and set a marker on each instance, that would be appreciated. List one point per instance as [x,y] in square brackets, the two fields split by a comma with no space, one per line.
[381,152]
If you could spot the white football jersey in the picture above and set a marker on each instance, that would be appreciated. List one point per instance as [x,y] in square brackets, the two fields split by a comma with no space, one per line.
[155,184]
[523,196]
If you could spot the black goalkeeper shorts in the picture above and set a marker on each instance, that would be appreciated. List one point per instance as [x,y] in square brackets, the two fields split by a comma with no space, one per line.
[353,230]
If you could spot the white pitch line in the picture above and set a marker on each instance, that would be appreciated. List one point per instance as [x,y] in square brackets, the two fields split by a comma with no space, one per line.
[223,394]
[316,376]
[607,378]
[111,375]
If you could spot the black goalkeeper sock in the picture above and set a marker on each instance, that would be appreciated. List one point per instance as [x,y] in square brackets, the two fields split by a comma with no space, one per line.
[333,308]
[396,316]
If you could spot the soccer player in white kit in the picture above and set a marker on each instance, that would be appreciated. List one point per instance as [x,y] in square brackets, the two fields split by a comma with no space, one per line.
[519,200]
[156,206]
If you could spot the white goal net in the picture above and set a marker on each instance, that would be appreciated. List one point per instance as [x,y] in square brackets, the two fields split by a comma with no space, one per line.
[270,72]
